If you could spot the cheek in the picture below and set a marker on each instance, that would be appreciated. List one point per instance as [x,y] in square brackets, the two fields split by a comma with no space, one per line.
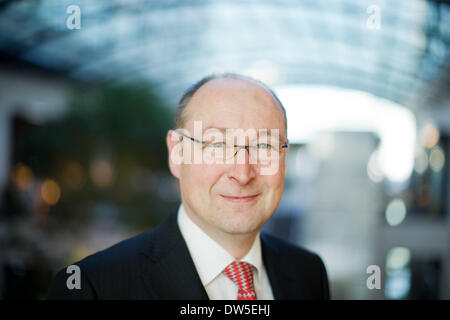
[275,185]
[200,178]
[277,179]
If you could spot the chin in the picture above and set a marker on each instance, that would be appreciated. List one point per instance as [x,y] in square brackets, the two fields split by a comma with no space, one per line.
[242,224]
[241,230]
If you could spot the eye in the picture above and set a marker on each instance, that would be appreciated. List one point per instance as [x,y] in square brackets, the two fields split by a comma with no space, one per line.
[264,146]
[217,144]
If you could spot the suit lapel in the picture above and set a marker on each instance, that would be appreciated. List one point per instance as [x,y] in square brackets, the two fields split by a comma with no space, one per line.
[282,279]
[168,271]
[167,267]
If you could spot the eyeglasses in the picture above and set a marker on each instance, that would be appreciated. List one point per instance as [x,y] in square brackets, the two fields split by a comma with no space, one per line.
[222,150]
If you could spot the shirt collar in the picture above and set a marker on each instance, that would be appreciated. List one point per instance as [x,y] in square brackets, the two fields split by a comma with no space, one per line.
[209,257]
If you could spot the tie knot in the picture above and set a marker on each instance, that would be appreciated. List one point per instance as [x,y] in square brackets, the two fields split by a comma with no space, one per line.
[241,273]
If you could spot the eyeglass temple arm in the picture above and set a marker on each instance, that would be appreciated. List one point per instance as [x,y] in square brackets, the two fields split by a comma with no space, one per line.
[186,136]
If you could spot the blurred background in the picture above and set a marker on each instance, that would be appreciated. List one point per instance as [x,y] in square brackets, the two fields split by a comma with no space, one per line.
[88,90]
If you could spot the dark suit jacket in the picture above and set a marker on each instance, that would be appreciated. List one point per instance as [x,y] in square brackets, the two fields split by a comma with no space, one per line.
[157,265]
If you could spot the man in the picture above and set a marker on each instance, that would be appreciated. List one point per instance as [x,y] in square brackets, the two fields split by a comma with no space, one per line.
[211,247]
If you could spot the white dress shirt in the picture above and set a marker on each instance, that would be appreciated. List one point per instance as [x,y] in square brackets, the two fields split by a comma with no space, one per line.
[210,259]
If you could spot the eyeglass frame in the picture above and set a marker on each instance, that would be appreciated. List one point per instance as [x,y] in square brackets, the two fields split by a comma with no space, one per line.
[285,145]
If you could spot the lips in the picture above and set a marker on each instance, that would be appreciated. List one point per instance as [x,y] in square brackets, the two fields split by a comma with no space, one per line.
[240,199]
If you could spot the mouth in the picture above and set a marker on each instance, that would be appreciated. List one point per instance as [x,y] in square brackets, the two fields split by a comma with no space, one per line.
[240,199]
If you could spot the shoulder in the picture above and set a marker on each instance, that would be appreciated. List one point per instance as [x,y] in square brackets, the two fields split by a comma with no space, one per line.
[116,271]
[292,258]
[125,255]
[303,267]
[114,266]
[121,255]
[290,251]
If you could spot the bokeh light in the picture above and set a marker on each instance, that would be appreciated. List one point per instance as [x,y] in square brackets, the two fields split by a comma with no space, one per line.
[430,136]
[437,159]
[421,161]
[395,212]
[101,173]
[397,258]
[50,192]
[23,176]
[398,281]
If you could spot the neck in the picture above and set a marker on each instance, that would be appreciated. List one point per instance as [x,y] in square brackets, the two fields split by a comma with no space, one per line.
[236,244]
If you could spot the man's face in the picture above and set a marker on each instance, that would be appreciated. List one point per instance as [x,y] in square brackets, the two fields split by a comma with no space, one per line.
[231,198]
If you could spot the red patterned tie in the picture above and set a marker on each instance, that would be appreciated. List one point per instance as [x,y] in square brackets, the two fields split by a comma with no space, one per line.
[241,273]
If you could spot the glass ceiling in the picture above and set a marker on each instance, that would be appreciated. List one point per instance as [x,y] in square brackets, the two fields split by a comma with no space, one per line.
[174,43]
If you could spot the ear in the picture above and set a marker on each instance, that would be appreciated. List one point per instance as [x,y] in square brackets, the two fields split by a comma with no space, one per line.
[175,151]
[289,147]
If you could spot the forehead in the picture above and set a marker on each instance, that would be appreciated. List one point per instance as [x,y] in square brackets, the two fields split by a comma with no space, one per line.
[234,103]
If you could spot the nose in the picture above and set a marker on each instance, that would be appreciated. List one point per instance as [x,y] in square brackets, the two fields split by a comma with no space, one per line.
[241,170]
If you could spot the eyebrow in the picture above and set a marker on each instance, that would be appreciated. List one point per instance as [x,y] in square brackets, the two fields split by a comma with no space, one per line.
[220,129]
